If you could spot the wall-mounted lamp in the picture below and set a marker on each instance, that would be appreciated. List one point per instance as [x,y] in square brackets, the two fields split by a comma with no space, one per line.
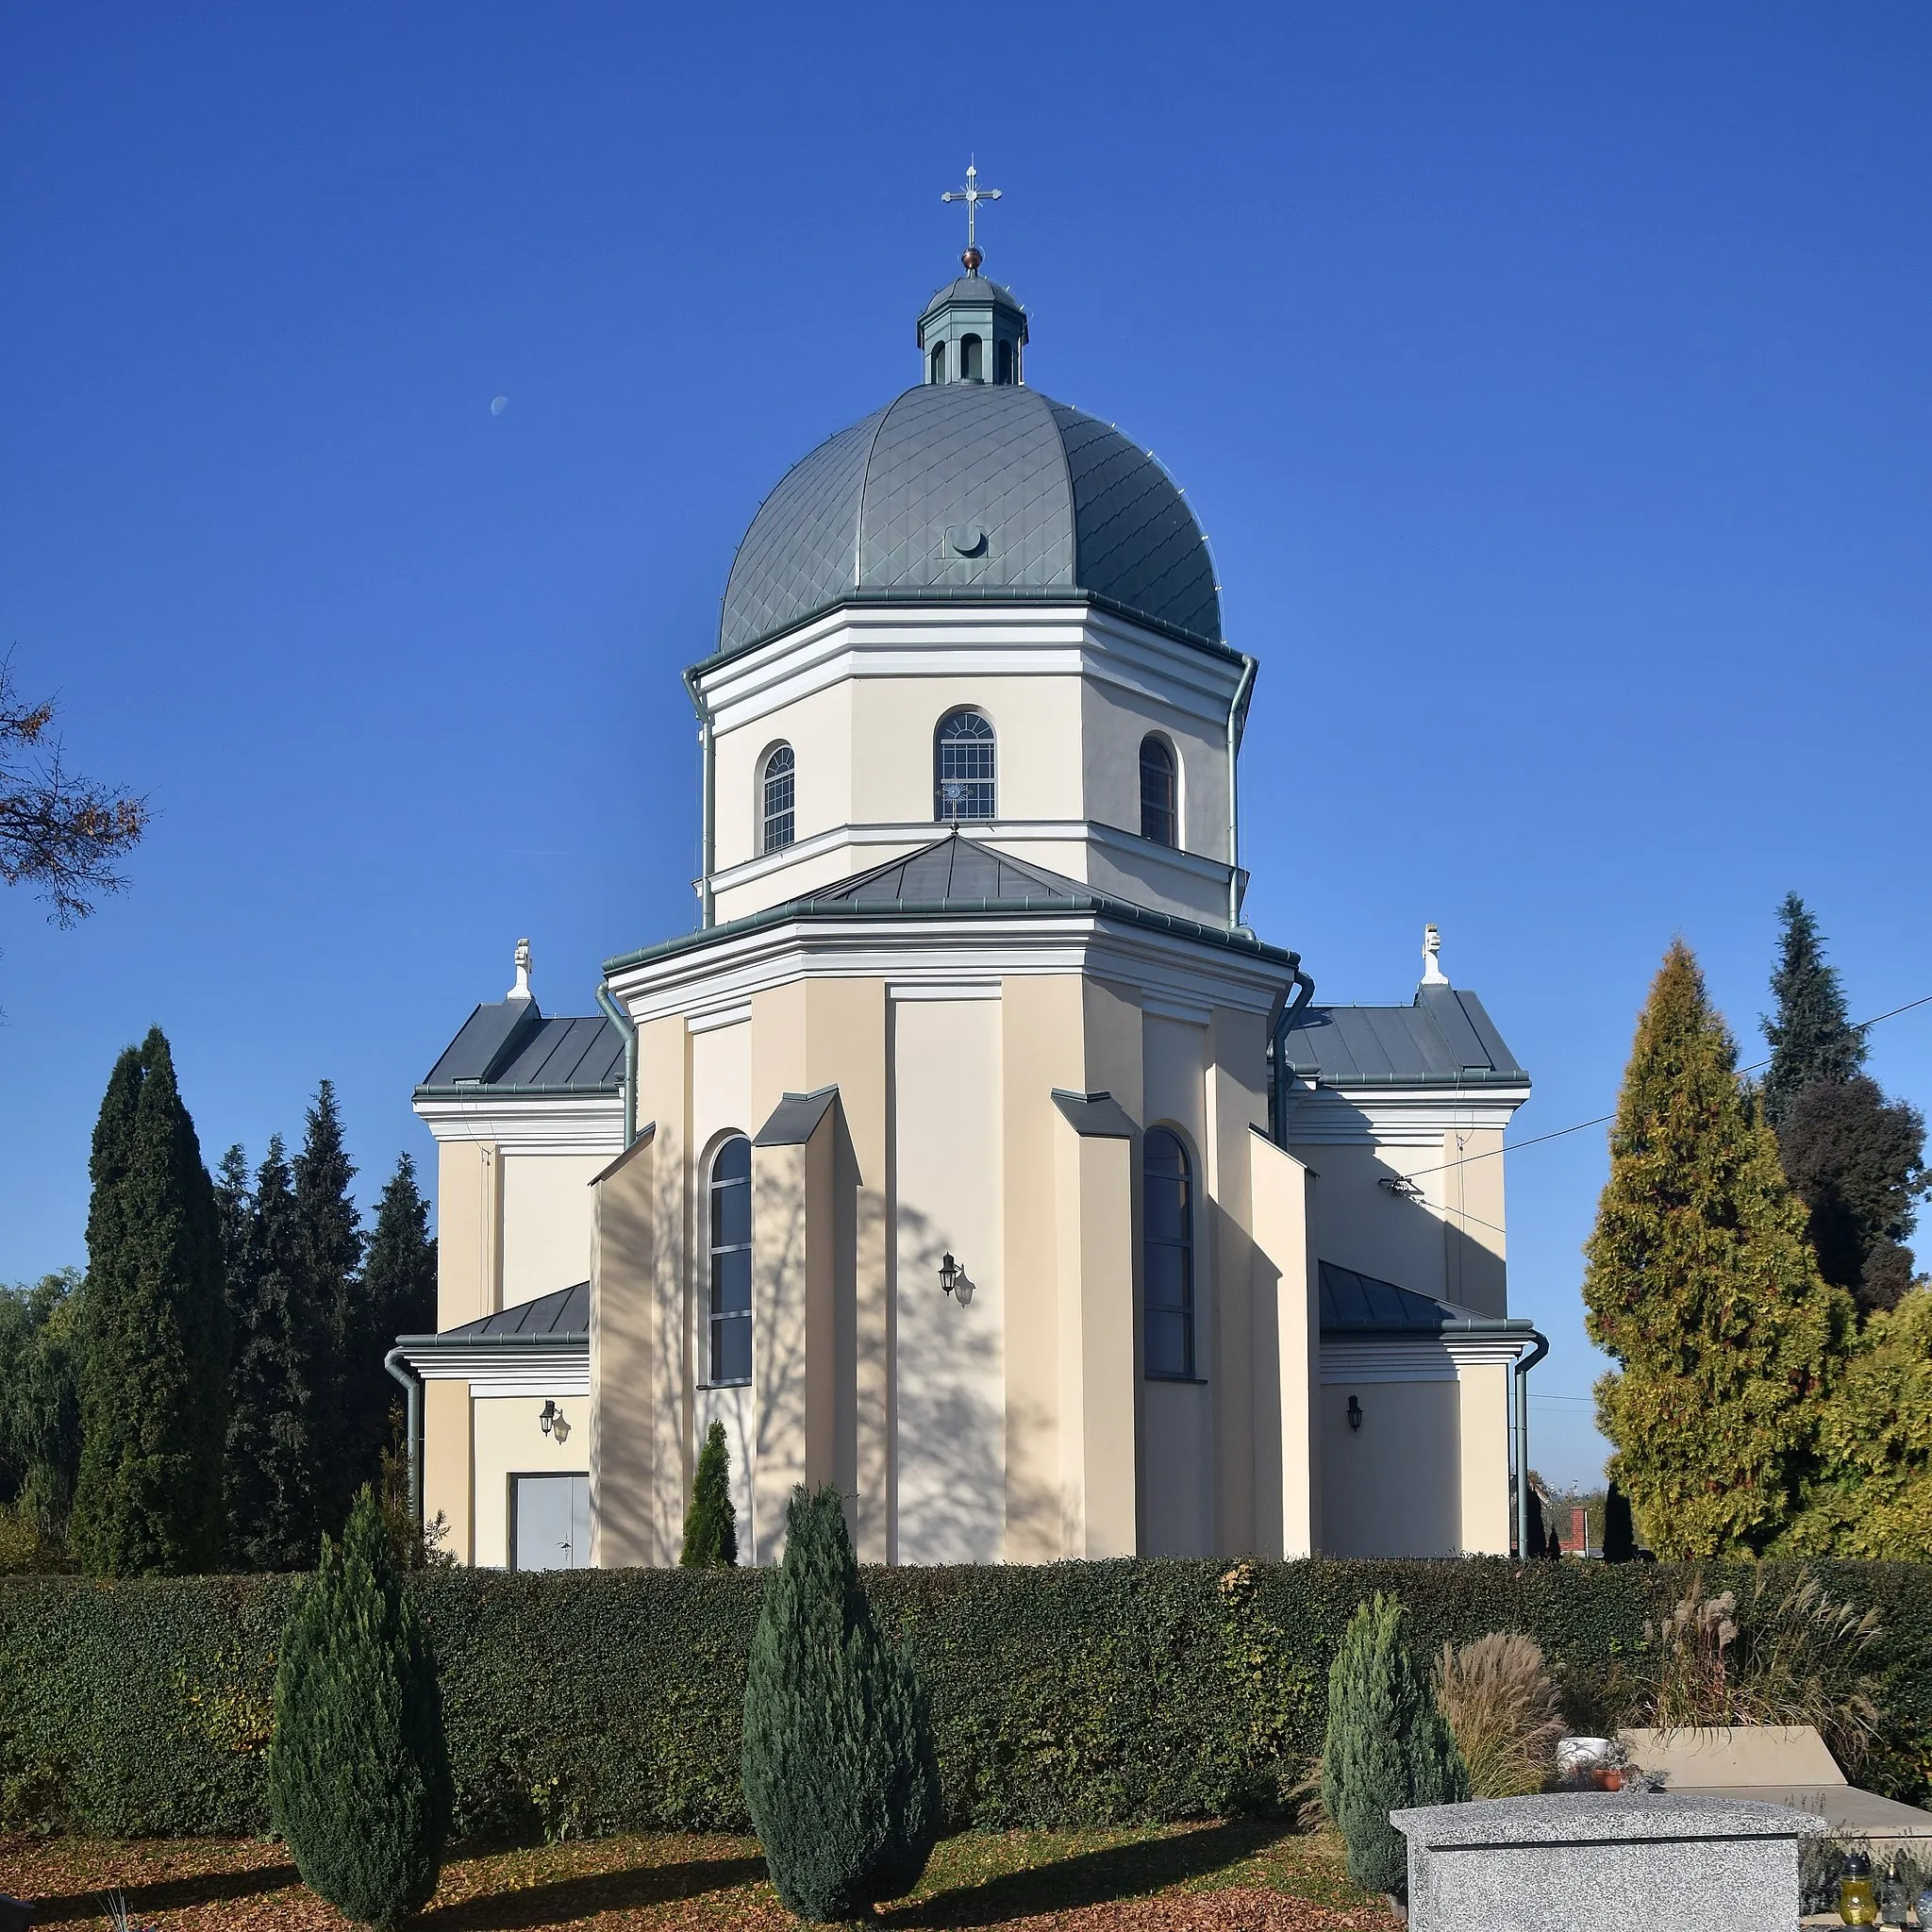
[554,1423]
[1354,1413]
[954,1280]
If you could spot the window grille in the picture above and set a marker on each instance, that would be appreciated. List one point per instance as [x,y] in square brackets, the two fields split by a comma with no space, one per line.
[1168,1247]
[965,769]
[731,1310]
[1160,804]
[781,772]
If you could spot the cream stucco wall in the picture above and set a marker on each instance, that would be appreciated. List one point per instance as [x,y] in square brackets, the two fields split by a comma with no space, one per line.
[1367,1227]
[509,1443]
[469,1231]
[1483,1434]
[949,1391]
[448,1464]
[546,1222]
[1392,1488]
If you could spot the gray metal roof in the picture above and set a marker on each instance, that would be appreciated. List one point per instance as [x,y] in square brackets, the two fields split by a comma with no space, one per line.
[562,1315]
[954,877]
[968,289]
[796,1117]
[1356,1304]
[1052,504]
[1443,1038]
[509,1045]
[1094,1116]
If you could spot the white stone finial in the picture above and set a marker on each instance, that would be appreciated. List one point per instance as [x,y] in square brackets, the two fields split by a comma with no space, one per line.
[1432,957]
[521,990]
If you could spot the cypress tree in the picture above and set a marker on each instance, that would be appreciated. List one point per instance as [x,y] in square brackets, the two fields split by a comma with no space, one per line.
[281,1361]
[1388,1746]
[839,1775]
[153,1385]
[1539,1537]
[358,1772]
[711,1525]
[1620,1532]
[1700,1285]
[1812,1036]
[330,1233]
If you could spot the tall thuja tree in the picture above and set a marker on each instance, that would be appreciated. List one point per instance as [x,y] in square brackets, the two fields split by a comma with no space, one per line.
[711,1525]
[1810,1034]
[1701,1286]
[282,1364]
[330,1233]
[1388,1746]
[153,1384]
[839,1775]
[397,1296]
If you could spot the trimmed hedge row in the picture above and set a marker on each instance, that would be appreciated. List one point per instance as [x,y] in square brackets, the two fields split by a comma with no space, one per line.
[1074,1694]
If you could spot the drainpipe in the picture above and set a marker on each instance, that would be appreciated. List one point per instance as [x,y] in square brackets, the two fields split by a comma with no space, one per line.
[1277,1095]
[1237,724]
[1519,1381]
[627,1027]
[709,835]
[412,1388]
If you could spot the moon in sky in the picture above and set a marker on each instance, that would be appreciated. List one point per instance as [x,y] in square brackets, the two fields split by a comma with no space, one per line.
[498,404]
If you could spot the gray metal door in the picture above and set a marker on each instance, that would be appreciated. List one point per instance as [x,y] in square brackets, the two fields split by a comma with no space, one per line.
[550,1522]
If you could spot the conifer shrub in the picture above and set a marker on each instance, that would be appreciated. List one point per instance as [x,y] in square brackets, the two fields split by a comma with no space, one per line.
[1619,1531]
[711,1525]
[1388,1746]
[841,1779]
[359,1772]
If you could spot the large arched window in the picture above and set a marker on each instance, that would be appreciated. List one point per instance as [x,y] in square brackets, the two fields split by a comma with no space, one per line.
[774,824]
[1160,816]
[965,770]
[1167,1238]
[730,1252]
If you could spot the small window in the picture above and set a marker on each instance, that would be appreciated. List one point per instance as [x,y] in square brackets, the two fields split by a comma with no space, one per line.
[731,1248]
[1002,361]
[1160,804]
[1168,1246]
[965,769]
[781,768]
[970,369]
[939,362]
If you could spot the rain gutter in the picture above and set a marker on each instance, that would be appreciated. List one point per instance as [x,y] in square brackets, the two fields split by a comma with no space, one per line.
[399,1370]
[628,1027]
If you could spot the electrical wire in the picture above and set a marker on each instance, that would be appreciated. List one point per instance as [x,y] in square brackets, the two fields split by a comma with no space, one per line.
[1537,1139]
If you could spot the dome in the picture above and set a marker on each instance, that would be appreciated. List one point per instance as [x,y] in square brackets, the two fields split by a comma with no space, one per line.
[964,490]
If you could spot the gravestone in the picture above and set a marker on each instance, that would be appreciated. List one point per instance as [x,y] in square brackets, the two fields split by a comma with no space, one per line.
[1602,1862]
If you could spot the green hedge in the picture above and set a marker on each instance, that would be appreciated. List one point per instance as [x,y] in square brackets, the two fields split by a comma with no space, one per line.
[1074,1694]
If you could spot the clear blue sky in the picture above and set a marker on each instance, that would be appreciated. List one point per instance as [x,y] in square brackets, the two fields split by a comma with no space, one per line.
[1551,382]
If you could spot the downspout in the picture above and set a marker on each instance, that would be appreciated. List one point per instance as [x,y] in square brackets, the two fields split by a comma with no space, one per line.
[412,1387]
[1237,724]
[1520,1380]
[1277,1092]
[708,791]
[628,1027]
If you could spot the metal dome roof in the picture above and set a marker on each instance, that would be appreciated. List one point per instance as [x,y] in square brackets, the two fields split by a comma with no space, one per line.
[970,491]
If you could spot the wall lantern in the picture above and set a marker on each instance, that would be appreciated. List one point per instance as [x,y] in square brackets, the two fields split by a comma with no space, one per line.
[553,1422]
[954,1280]
[1354,1413]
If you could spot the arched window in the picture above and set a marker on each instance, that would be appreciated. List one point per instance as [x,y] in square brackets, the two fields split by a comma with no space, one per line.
[939,362]
[1159,794]
[965,769]
[970,369]
[781,768]
[1002,362]
[730,1252]
[1168,1240]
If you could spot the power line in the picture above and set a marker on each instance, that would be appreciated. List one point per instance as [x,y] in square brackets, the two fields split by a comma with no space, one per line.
[1516,1146]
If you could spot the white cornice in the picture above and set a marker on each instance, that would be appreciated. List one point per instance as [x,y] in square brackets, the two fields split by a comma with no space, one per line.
[911,952]
[527,1123]
[1365,1358]
[549,1368]
[1396,1116]
[990,639]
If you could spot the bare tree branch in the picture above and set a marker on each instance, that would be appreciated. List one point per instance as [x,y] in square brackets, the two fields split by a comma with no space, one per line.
[60,833]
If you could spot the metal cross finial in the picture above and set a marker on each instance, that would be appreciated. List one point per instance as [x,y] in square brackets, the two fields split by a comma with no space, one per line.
[971,195]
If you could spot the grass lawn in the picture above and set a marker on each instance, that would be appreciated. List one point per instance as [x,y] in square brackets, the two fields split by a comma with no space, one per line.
[1234,1877]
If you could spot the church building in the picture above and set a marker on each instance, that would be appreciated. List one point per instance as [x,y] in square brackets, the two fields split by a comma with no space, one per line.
[973,1154]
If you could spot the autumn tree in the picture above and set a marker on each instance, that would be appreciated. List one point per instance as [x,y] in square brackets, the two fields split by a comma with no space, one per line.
[1703,1288]
[60,833]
